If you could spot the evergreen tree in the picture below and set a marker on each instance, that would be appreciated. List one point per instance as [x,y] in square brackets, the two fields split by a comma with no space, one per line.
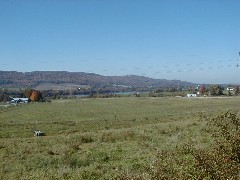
[237,91]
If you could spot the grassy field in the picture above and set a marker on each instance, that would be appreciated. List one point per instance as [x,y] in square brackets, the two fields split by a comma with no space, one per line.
[111,138]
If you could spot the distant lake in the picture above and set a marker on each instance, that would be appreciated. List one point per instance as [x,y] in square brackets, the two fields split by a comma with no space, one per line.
[114,93]
[123,93]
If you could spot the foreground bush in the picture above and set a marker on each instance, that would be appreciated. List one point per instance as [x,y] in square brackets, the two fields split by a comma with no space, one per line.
[220,161]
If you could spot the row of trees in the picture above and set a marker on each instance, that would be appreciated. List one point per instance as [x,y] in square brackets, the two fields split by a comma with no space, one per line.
[31,94]
[36,96]
[217,90]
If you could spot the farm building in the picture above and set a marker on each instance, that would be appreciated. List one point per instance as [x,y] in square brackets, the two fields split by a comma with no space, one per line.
[39,133]
[191,95]
[19,100]
[230,89]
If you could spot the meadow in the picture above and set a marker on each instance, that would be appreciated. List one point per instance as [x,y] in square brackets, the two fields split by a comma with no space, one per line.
[111,138]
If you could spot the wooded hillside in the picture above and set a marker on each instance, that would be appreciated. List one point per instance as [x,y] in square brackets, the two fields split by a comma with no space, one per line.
[34,79]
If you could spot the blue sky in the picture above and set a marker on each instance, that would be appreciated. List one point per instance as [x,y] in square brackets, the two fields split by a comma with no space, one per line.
[191,40]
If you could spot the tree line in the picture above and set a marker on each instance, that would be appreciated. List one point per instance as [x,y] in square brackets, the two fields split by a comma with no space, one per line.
[31,94]
[37,96]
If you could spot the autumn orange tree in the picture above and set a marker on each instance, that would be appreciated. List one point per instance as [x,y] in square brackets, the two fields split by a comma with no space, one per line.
[33,95]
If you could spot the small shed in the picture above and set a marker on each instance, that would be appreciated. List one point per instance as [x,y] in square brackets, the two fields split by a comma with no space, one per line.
[191,95]
[39,133]
[19,100]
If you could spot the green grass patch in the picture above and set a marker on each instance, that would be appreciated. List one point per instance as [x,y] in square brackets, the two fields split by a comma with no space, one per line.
[113,138]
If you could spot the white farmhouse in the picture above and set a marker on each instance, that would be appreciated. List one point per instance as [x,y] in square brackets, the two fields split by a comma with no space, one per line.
[191,95]
[230,89]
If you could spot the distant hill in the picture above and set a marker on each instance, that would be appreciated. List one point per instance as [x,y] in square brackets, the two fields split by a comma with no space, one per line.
[56,79]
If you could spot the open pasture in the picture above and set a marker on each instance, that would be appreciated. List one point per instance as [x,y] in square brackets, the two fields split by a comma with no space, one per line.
[109,138]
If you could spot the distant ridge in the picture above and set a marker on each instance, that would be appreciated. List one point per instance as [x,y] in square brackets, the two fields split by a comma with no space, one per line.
[36,78]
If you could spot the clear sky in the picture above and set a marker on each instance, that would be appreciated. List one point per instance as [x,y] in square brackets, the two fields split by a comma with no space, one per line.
[191,40]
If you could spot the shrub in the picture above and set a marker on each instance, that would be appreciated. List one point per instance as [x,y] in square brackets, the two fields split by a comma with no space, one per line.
[223,160]
[87,139]
[108,137]
[220,161]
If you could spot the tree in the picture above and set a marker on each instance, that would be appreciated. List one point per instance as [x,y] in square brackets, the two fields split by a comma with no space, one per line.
[4,97]
[202,89]
[237,91]
[28,92]
[33,95]
[229,93]
[190,89]
[216,90]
